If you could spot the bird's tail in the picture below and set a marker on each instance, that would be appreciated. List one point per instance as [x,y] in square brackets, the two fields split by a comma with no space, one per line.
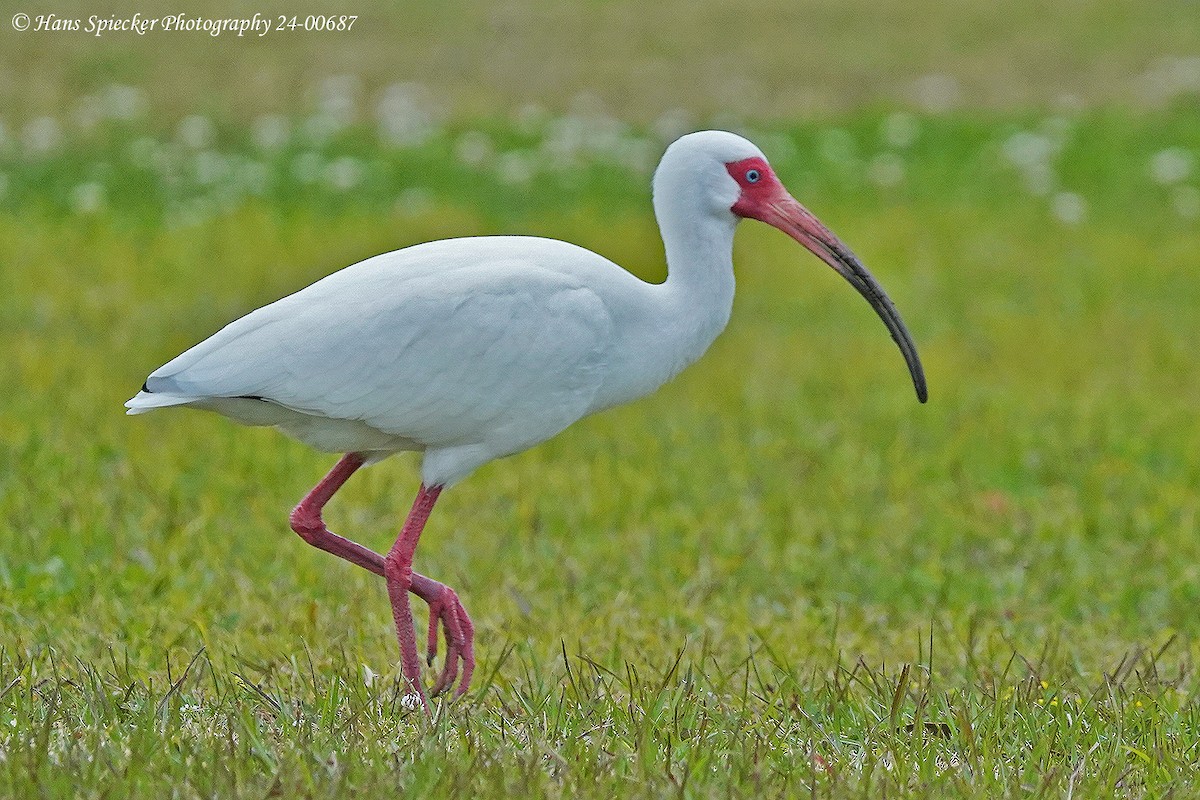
[148,401]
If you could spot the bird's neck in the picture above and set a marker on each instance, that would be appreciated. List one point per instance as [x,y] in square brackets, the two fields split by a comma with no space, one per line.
[700,284]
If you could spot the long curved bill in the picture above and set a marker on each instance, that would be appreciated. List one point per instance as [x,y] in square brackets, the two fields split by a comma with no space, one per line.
[796,221]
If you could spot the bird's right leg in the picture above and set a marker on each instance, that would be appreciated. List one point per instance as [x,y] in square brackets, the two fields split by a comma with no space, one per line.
[444,606]
[306,518]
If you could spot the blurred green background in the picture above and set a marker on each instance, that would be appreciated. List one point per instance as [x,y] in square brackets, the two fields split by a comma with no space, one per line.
[774,60]
[744,578]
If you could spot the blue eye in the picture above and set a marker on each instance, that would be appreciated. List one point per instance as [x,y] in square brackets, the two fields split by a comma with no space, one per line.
[752,176]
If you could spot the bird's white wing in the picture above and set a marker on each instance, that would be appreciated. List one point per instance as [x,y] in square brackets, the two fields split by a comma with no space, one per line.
[481,350]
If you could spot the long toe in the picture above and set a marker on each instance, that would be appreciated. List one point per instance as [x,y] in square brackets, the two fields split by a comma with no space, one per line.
[468,652]
[460,640]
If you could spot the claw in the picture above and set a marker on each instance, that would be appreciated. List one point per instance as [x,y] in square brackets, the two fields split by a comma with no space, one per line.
[435,612]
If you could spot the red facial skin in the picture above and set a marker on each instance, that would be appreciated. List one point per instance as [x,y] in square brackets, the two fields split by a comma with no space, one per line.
[757,195]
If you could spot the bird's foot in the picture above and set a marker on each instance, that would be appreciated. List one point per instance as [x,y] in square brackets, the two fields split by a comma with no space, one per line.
[447,611]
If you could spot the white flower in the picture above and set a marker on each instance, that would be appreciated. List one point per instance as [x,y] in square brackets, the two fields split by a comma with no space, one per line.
[1069,207]
[937,92]
[474,148]
[514,167]
[271,131]
[899,130]
[211,167]
[886,169]
[195,131]
[344,173]
[1026,148]
[406,115]
[1186,200]
[337,97]
[122,102]
[42,135]
[1173,165]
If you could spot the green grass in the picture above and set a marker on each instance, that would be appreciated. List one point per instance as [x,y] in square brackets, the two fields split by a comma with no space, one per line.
[760,581]
[778,576]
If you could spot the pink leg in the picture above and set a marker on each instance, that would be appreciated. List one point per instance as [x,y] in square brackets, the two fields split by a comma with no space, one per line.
[444,605]
[306,518]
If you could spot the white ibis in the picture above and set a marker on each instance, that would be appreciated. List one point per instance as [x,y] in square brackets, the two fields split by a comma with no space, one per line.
[472,349]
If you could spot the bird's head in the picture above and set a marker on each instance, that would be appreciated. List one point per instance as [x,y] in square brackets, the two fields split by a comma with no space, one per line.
[731,178]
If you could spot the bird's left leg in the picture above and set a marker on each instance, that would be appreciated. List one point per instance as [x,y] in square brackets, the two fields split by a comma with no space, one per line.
[446,608]
[443,604]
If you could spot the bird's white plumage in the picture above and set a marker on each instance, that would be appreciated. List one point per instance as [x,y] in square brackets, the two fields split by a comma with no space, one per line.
[472,349]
